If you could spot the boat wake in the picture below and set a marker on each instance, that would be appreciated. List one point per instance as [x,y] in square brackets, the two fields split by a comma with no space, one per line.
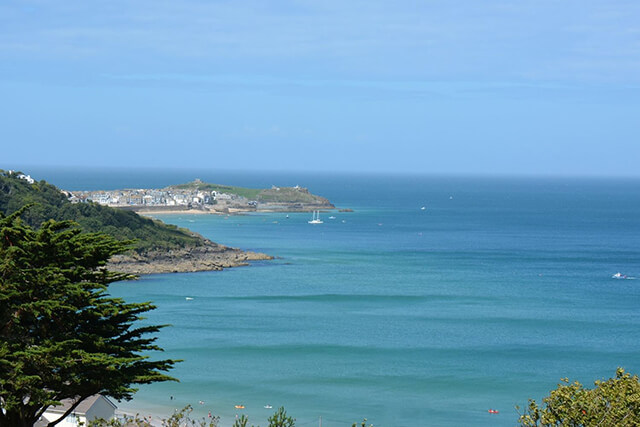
[621,276]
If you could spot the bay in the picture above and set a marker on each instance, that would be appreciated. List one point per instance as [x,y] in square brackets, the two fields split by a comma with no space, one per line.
[487,297]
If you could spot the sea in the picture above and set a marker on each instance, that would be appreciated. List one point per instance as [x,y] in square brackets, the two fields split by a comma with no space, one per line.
[437,299]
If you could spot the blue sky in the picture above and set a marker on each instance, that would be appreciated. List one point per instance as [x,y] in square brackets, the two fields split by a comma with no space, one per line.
[490,87]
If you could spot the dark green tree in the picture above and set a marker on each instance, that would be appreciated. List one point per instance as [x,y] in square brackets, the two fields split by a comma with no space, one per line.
[61,334]
[614,402]
[280,419]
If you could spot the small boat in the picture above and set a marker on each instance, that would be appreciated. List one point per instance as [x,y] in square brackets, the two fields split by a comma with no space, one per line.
[268,407]
[315,219]
[332,217]
[188,298]
[423,208]
[239,406]
[493,411]
[619,276]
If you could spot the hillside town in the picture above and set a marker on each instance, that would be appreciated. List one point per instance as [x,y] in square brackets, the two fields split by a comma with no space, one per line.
[194,197]
[153,197]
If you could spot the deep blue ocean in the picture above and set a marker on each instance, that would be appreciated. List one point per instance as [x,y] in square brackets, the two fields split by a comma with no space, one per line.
[487,297]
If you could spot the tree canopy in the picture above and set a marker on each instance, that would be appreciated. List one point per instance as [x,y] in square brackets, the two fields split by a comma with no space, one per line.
[61,334]
[614,402]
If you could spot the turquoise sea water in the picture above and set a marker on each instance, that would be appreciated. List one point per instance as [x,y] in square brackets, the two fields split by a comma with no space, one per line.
[404,316]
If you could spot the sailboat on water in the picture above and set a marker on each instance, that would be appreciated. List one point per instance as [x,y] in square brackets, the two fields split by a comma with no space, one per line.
[315,219]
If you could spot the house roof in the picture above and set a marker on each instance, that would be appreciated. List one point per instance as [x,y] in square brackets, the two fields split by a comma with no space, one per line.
[82,408]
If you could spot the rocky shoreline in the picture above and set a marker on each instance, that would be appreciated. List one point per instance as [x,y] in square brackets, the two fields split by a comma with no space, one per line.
[207,257]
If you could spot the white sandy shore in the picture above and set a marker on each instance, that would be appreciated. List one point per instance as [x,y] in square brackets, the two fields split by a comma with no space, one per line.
[205,212]
[175,212]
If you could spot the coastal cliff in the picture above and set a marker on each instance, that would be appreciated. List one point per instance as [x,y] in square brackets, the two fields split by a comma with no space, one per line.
[208,257]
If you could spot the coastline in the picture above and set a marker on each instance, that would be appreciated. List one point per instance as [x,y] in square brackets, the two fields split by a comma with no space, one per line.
[273,208]
[208,257]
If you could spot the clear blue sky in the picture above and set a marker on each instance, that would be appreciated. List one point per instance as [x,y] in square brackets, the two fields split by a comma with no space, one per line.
[467,86]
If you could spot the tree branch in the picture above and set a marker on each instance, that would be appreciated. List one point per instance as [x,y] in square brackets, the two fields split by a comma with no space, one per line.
[66,414]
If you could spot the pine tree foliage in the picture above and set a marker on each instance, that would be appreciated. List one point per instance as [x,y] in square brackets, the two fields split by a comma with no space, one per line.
[61,334]
[281,419]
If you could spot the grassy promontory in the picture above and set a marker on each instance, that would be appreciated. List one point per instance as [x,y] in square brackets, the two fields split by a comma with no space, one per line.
[158,247]
[287,199]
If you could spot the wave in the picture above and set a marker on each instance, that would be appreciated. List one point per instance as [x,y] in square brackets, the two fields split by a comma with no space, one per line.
[290,350]
[360,298]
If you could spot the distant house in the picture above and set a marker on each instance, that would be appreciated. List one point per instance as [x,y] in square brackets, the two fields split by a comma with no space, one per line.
[26,178]
[92,408]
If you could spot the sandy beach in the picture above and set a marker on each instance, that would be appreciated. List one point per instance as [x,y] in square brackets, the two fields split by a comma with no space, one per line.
[149,212]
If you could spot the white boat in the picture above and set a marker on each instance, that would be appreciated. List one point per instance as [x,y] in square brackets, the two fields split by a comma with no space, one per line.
[423,208]
[332,217]
[315,219]
[619,276]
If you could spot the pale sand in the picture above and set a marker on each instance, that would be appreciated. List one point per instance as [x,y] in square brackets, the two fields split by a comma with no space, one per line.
[168,212]
[232,211]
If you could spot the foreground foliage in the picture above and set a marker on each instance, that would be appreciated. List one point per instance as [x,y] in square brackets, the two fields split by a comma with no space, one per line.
[183,418]
[278,419]
[61,334]
[281,419]
[180,418]
[614,402]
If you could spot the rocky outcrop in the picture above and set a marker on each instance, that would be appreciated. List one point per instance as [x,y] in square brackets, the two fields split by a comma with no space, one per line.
[207,257]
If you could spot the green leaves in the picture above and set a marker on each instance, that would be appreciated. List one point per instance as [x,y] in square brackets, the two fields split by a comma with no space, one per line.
[61,334]
[280,419]
[615,401]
